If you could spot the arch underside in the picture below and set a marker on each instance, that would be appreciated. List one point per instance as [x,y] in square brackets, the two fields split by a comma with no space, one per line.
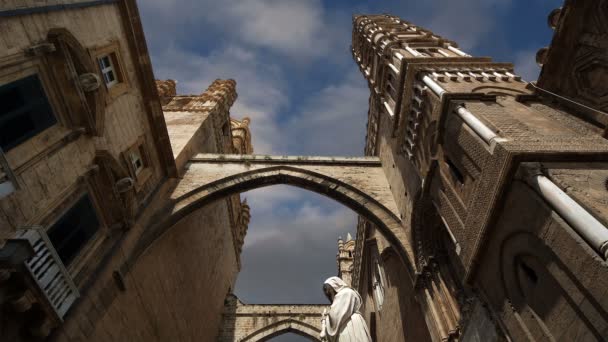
[198,192]
[283,327]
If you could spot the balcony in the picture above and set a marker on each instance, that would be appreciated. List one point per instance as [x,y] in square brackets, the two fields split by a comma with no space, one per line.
[38,283]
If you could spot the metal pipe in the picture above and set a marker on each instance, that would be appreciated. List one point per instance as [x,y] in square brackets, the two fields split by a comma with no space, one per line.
[594,232]
[413,52]
[436,88]
[458,51]
[479,127]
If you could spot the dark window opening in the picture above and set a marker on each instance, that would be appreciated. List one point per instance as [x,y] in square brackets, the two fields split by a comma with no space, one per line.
[226,129]
[25,111]
[454,171]
[74,229]
[529,272]
[372,327]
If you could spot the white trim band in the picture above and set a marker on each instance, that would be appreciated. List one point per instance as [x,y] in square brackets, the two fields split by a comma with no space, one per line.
[593,231]
[388,109]
[476,125]
[436,88]
[413,52]
[458,51]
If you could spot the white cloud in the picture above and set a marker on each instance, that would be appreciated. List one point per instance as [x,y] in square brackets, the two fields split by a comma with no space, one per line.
[464,21]
[332,121]
[291,245]
[294,28]
[259,84]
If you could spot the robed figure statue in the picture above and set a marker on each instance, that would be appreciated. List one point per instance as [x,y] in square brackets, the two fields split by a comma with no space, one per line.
[343,322]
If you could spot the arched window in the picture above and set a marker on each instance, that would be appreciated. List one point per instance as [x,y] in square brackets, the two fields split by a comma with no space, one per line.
[377,279]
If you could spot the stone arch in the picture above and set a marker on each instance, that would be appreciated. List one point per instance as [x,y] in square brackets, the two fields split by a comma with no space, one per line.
[121,203]
[283,327]
[207,192]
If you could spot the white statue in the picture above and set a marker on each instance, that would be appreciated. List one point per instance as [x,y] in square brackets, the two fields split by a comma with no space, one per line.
[343,322]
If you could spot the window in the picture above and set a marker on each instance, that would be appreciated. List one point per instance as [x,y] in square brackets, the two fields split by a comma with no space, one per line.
[25,111]
[455,172]
[377,279]
[137,163]
[108,69]
[432,52]
[111,68]
[74,229]
[137,160]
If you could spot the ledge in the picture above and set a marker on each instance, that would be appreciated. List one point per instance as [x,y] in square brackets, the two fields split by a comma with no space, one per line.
[292,160]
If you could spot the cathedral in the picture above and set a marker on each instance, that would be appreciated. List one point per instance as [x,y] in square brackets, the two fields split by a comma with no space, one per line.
[482,198]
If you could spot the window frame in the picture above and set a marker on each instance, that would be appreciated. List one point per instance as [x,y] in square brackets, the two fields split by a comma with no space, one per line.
[108,69]
[66,201]
[38,143]
[75,200]
[140,176]
[112,51]
[30,108]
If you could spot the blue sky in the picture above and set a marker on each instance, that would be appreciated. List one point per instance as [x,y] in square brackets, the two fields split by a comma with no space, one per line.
[297,81]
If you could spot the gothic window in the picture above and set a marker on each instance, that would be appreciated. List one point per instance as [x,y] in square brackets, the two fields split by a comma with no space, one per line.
[455,172]
[527,277]
[25,111]
[74,229]
[377,278]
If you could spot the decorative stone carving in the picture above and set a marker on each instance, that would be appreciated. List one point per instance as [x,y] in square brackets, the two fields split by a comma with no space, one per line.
[125,184]
[553,18]
[241,135]
[166,89]
[541,56]
[68,63]
[89,81]
[40,49]
[590,73]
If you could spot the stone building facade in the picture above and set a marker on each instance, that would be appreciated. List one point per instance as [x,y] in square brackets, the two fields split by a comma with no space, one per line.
[501,185]
[91,149]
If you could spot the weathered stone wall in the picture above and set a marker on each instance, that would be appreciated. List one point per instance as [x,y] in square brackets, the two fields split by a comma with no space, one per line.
[400,317]
[49,165]
[176,289]
[84,151]
[540,277]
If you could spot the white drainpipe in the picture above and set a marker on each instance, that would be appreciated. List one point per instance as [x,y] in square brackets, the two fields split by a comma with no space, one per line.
[593,231]
[436,88]
[479,127]
[458,51]
[413,52]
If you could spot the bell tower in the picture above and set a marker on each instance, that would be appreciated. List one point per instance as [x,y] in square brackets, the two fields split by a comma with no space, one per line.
[345,257]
